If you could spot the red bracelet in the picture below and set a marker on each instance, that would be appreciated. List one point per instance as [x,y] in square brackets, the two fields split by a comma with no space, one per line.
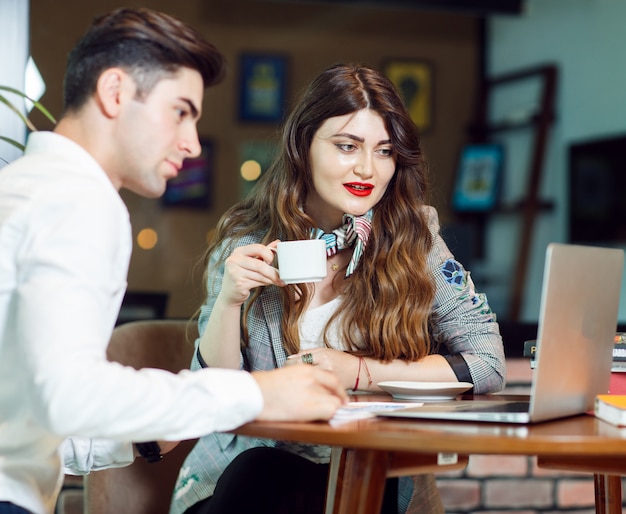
[367,370]
[356,383]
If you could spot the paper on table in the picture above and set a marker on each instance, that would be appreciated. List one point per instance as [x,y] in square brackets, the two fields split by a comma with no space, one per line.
[362,410]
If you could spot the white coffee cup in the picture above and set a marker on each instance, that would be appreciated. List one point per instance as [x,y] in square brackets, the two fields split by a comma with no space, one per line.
[301,261]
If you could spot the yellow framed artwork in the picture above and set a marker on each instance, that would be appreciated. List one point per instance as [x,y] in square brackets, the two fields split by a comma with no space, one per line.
[414,81]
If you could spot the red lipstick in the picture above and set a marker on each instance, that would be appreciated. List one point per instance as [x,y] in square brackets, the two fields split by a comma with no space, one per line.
[359,188]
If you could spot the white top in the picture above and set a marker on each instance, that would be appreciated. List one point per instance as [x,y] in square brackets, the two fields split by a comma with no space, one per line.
[312,326]
[65,244]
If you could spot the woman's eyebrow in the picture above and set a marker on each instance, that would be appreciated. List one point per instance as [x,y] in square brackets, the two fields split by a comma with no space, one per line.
[360,139]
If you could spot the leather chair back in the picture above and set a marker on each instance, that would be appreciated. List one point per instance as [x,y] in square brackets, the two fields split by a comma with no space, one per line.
[143,488]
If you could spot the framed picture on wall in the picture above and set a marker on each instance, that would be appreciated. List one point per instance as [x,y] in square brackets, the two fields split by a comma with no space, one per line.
[414,81]
[192,186]
[478,179]
[262,87]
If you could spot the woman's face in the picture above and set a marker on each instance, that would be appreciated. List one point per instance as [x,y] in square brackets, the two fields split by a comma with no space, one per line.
[352,162]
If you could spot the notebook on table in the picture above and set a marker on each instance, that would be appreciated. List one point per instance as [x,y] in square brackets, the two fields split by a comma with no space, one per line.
[577,323]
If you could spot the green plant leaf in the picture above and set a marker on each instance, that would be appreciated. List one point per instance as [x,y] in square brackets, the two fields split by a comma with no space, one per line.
[35,103]
[12,142]
[12,107]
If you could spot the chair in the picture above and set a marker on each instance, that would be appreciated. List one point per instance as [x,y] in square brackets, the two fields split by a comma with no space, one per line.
[140,305]
[143,488]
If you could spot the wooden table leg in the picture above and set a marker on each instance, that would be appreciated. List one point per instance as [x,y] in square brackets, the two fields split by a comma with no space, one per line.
[356,484]
[608,490]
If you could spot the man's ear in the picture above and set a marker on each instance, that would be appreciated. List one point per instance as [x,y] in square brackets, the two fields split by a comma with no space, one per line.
[111,87]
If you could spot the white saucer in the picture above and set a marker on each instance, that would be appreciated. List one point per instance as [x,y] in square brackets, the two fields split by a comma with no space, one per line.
[424,391]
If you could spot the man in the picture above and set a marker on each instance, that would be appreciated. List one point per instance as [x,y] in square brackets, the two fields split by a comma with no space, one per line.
[133,94]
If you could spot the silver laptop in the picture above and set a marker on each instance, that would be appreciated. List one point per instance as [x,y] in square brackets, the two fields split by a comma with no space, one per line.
[577,323]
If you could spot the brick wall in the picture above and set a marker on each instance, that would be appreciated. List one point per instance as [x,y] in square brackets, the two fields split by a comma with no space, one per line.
[514,484]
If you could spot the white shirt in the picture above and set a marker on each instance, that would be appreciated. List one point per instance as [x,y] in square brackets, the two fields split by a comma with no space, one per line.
[82,455]
[65,244]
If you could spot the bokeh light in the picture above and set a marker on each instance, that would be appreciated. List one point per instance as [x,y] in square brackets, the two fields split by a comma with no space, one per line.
[250,170]
[147,238]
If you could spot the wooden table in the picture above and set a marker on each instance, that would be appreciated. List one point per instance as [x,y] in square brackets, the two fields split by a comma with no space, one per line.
[366,452]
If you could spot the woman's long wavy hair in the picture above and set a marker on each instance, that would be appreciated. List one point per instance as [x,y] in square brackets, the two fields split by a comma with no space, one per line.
[385,304]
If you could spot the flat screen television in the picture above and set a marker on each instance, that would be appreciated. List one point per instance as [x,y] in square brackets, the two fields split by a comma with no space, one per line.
[597,183]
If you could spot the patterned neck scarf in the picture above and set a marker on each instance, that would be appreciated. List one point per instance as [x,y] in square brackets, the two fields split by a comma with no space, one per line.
[354,231]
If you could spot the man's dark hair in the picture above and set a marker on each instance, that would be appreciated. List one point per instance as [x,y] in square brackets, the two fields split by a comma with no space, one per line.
[147,44]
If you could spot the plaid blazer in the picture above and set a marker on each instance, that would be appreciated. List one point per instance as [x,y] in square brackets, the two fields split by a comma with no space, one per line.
[462,324]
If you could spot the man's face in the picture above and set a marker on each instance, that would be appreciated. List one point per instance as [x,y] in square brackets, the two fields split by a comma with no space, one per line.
[158,133]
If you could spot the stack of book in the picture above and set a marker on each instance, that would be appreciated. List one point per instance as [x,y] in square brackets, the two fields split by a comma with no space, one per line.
[611,408]
[619,352]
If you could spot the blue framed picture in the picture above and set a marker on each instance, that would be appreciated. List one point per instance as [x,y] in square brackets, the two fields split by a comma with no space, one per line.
[479,176]
[262,87]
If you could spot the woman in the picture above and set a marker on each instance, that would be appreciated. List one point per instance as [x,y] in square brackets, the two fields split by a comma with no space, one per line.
[395,305]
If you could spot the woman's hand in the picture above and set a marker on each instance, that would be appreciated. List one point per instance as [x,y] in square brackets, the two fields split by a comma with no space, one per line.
[344,365]
[432,368]
[248,267]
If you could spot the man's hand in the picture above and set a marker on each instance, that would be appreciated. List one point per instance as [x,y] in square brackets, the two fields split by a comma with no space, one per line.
[299,393]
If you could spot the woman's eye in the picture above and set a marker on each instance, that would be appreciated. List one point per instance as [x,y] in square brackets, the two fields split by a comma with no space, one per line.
[346,147]
[386,152]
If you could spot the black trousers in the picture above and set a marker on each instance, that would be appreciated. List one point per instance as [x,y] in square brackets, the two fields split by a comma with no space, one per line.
[273,481]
